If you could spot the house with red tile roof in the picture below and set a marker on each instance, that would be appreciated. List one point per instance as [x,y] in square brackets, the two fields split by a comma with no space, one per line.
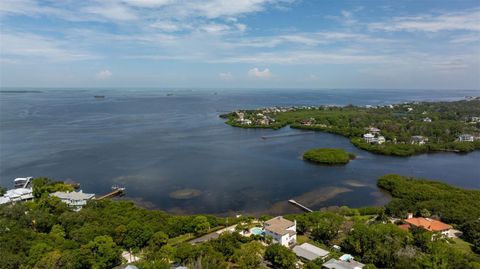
[428,224]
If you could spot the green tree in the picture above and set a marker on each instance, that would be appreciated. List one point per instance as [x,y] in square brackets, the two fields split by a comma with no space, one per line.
[249,255]
[200,225]
[57,232]
[101,253]
[50,260]
[377,243]
[280,256]
[158,239]
[137,235]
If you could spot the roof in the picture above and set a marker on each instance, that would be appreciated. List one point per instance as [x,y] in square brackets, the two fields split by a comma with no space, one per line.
[279,225]
[368,135]
[429,224]
[309,251]
[337,264]
[404,226]
[73,195]
[22,179]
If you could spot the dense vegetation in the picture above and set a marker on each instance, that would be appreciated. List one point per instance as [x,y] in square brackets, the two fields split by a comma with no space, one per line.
[328,156]
[45,233]
[453,205]
[439,122]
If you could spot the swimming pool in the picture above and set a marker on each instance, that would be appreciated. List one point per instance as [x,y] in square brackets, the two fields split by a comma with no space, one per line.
[257,231]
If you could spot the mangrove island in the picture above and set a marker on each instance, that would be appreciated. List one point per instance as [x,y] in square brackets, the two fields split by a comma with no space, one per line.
[328,156]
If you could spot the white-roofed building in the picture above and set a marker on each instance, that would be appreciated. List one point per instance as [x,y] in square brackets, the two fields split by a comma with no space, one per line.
[74,199]
[369,138]
[283,231]
[17,195]
[310,252]
[466,138]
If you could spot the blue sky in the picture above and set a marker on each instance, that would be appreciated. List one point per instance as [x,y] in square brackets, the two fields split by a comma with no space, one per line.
[241,43]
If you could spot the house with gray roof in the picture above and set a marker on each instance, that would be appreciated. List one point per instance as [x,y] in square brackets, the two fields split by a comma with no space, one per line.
[345,262]
[310,252]
[76,200]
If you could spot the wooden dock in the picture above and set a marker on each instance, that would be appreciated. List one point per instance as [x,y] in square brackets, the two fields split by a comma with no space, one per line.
[116,191]
[300,205]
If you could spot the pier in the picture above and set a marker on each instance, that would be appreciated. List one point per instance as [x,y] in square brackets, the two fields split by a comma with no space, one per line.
[300,205]
[116,191]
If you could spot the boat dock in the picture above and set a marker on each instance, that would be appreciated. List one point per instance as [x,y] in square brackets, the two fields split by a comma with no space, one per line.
[116,191]
[300,205]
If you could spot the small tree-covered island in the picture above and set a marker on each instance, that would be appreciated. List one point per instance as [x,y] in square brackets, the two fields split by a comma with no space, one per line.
[427,224]
[400,130]
[329,156]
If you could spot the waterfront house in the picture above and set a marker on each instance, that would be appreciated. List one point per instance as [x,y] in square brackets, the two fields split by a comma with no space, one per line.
[369,138]
[427,119]
[310,252]
[373,130]
[307,122]
[418,139]
[466,138]
[17,195]
[428,224]
[346,261]
[76,200]
[372,139]
[244,121]
[282,231]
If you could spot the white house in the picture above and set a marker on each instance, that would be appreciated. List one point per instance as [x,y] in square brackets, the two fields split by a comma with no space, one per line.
[373,130]
[76,200]
[17,195]
[310,252]
[369,138]
[427,119]
[282,231]
[418,139]
[466,138]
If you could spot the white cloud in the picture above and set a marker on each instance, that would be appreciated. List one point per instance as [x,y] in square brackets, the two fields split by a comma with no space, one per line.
[214,28]
[226,76]
[466,39]
[112,11]
[29,45]
[104,74]
[468,20]
[169,26]
[148,3]
[257,73]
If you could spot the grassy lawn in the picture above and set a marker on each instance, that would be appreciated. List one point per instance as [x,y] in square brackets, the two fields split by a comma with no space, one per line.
[302,239]
[363,218]
[460,244]
[180,239]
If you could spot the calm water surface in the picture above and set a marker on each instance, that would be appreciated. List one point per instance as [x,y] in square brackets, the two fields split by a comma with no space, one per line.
[161,147]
